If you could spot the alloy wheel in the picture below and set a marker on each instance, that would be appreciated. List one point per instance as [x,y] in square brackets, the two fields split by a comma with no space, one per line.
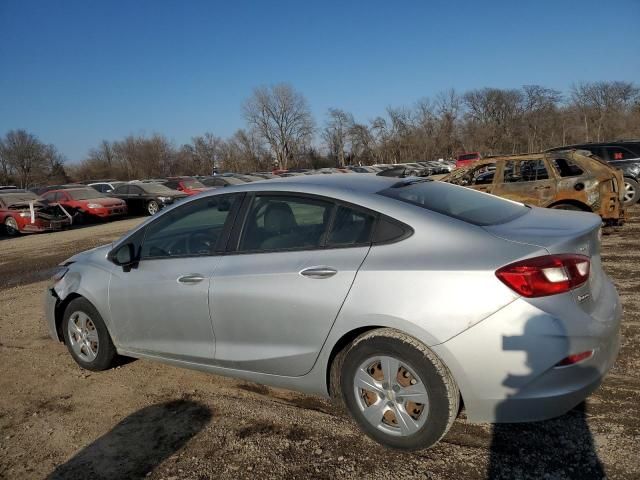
[391,396]
[152,208]
[83,336]
[629,192]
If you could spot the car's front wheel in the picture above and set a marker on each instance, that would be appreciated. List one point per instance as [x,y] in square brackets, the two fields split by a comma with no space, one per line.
[11,226]
[152,207]
[86,336]
[397,390]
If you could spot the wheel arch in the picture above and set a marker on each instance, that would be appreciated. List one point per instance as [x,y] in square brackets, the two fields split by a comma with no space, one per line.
[570,201]
[60,307]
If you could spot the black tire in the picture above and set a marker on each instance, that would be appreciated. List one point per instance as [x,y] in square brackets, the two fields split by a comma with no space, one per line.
[106,352]
[632,197]
[568,206]
[11,227]
[79,218]
[443,394]
[152,207]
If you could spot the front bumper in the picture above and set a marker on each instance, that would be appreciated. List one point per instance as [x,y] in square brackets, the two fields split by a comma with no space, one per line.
[505,366]
[50,304]
[45,226]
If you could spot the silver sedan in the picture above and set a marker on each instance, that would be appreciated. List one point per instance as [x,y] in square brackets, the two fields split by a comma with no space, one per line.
[399,298]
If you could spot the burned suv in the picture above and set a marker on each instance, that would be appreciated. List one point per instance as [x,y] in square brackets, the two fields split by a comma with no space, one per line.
[567,179]
[623,155]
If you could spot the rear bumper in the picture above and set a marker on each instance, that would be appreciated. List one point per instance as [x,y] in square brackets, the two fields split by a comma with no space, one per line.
[506,369]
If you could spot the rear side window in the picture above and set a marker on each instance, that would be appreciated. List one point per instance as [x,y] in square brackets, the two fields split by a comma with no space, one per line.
[619,153]
[457,202]
[122,189]
[566,167]
[350,227]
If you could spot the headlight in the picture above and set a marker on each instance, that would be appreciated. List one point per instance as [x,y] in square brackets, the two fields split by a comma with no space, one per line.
[164,199]
[25,214]
[94,205]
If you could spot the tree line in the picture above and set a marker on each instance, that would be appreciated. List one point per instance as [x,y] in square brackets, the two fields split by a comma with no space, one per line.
[281,130]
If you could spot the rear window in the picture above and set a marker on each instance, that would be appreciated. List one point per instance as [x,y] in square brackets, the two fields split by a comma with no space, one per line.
[458,202]
[469,156]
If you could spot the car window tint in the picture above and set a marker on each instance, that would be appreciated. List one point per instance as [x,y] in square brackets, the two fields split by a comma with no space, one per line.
[121,190]
[525,171]
[620,153]
[282,223]
[462,203]
[350,227]
[566,167]
[135,190]
[191,230]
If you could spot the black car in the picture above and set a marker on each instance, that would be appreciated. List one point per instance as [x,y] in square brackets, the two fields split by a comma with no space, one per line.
[148,198]
[623,155]
[221,181]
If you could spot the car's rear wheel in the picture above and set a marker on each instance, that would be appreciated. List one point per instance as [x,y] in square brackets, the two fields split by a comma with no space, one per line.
[86,336]
[11,226]
[631,191]
[397,390]
[152,207]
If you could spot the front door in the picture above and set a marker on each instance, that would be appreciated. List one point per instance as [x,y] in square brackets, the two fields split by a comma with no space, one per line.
[274,300]
[162,306]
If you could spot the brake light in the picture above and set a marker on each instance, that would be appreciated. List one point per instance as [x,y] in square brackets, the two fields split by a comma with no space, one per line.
[545,275]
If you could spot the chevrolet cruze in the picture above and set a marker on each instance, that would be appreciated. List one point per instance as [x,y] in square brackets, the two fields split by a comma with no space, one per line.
[402,299]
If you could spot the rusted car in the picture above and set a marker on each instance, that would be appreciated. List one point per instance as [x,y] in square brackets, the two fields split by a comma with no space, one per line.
[568,179]
[23,212]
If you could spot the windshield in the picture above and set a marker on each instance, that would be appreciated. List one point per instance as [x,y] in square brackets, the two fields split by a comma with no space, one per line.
[192,183]
[458,202]
[156,188]
[85,194]
[22,197]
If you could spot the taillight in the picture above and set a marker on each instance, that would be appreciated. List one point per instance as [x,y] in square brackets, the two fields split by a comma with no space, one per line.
[546,275]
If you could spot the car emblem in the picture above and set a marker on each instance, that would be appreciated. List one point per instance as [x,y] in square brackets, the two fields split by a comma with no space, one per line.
[582,298]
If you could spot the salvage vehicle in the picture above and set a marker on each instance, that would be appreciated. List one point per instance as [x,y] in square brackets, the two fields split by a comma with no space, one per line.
[147,198]
[106,186]
[308,283]
[465,159]
[623,155]
[188,185]
[87,203]
[221,181]
[22,211]
[566,180]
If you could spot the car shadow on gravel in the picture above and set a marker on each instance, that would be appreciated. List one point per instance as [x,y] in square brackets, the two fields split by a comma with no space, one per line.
[561,448]
[139,443]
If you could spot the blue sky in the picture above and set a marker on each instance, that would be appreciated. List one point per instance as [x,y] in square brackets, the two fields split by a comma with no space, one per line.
[76,72]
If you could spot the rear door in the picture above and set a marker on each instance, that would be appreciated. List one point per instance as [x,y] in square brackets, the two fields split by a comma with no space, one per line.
[528,181]
[275,297]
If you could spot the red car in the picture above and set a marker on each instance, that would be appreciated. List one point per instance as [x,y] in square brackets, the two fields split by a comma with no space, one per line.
[86,202]
[466,158]
[188,185]
[22,212]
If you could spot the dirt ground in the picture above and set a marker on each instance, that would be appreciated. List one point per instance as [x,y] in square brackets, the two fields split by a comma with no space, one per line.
[144,419]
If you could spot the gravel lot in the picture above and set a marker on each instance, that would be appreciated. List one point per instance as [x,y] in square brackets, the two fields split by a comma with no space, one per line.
[145,419]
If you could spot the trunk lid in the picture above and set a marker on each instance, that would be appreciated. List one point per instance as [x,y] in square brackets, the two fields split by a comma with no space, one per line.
[559,231]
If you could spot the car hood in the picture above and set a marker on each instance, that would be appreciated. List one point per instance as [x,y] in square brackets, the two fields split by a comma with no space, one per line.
[98,253]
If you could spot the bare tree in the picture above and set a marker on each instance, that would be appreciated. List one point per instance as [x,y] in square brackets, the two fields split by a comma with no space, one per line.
[336,134]
[25,155]
[282,118]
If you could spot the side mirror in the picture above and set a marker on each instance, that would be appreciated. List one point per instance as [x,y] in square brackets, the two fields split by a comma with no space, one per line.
[124,256]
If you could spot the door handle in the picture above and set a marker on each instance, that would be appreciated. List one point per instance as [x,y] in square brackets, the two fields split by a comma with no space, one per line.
[190,278]
[318,272]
